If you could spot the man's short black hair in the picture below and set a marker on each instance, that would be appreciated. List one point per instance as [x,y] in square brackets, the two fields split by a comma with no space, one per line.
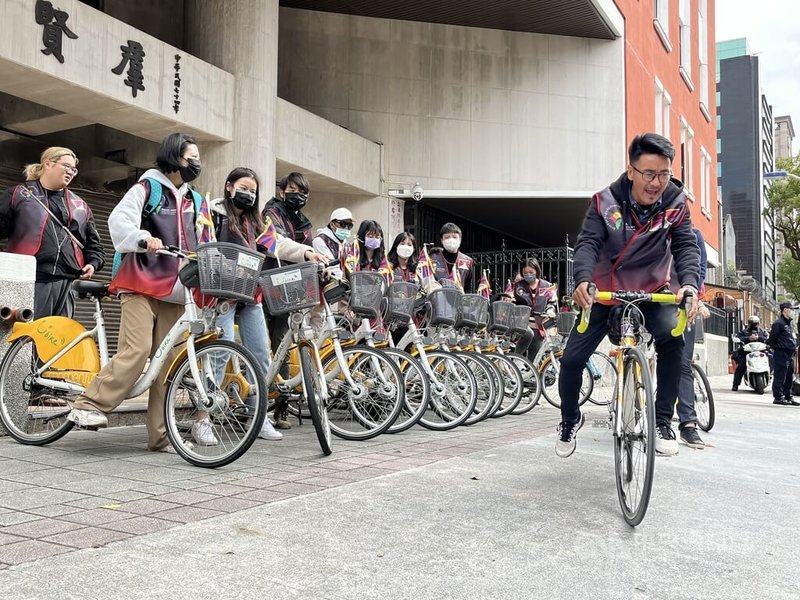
[171,151]
[296,178]
[449,228]
[650,143]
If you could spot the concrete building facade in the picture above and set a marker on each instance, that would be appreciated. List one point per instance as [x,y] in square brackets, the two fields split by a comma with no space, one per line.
[784,137]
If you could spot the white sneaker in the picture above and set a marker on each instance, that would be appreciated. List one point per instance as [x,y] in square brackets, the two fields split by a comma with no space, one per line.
[666,443]
[268,432]
[203,433]
[87,418]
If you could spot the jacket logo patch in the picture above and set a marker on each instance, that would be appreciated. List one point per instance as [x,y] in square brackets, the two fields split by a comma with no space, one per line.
[613,217]
[665,220]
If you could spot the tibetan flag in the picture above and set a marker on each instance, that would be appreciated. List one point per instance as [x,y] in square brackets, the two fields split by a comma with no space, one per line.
[455,275]
[268,238]
[204,224]
[484,288]
[509,291]
[386,270]
[425,269]
[352,253]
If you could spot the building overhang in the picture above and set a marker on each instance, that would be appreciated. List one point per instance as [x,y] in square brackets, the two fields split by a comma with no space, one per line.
[580,18]
[541,218]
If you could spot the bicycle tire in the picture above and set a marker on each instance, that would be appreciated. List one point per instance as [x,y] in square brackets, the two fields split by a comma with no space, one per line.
[634,449]
[315,399]
[417,390]
[453,392]
[703,399]
[20,418]
[604,380]
[488,389]
[237,409]
[512,382]
[369,408]
[531,384]
[549,372]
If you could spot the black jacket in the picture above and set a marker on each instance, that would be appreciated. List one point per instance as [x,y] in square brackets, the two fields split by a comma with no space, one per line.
[781,336]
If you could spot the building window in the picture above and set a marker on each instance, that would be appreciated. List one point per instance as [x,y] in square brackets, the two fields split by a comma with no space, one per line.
[663,102]
[687,158]
[661,22]
[702,31]
[705,182]
[685,21]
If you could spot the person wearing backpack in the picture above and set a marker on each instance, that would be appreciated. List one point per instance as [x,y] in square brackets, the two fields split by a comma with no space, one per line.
[151,294]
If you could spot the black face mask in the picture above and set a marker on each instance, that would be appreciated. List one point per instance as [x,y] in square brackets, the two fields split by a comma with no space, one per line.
[192,171]
[295,200]
[243,200]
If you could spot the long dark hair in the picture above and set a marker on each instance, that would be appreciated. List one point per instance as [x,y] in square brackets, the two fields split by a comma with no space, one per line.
[236,218]
[366,227]
[412,260]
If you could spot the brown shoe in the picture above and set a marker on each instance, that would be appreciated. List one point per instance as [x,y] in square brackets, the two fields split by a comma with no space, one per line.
[281,415]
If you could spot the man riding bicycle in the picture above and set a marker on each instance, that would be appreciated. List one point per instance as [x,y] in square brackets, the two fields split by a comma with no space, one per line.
[633,231]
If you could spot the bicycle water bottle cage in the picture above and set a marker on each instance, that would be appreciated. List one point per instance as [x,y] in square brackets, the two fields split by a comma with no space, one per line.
[614,324]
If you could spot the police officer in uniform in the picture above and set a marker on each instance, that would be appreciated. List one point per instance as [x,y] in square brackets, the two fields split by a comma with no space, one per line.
[783,343]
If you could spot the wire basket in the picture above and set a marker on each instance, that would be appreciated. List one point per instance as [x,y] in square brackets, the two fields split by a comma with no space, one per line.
[290,288]
[500,316]
[228,271]
[444,305]
[401,297]
[469,314]
[366,293]
[565,321]
[483,318]
[520,318]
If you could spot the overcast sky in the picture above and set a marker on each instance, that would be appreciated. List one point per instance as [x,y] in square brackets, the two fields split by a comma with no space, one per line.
[772,29]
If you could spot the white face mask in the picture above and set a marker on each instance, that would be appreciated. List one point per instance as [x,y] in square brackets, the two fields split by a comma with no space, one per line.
[404,251]
[452,244]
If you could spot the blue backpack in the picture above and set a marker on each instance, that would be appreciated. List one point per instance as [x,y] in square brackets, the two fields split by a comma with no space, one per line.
[152,205]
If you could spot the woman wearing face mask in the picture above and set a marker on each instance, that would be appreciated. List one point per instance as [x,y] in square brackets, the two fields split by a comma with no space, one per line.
[452,266]
[286,211]
[151,294]
[366,252]
[541,296]
[403,257]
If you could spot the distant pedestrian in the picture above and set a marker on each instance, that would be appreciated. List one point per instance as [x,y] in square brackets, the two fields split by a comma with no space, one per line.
[784,344]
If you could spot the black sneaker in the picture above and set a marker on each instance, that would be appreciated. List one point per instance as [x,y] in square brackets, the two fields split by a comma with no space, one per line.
[666,444]
[691,438]
[791,402]
[780,402]
[567,432]
[735,388]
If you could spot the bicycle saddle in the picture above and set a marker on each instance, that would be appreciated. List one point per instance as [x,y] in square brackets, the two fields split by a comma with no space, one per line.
[84,288]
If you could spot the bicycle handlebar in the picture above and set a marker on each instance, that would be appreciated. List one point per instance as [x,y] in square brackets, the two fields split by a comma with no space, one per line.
[629,297]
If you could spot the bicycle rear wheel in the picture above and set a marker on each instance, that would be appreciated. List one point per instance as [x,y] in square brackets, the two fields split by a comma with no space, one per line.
[453,392]
[550,371]
[315,399]
[703,399]
[417,390]
[634,438]
[370,404]
[27,421]
[234,413]
[603,371]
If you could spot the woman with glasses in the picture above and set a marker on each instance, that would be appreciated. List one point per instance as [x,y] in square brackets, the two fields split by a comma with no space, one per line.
[330,239]
[44,218]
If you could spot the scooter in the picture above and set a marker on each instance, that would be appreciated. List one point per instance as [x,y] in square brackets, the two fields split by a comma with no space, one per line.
[757,373]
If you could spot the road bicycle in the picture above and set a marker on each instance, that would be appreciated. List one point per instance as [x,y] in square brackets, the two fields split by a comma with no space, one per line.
[632,413]
[58,355]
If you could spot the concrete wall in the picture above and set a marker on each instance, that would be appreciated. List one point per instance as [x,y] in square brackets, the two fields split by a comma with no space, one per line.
[459,107]
[713,354]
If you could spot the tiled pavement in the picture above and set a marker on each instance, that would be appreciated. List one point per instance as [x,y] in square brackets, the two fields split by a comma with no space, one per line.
[93,488]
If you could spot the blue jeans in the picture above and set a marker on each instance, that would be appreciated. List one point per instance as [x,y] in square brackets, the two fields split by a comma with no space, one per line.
[659,319]
[686,398]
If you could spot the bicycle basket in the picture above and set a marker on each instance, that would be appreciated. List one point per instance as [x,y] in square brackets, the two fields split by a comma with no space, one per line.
[565,321]
[483,317]
[470,310]
[500,316]
[520,317]
[366,293]
[291,288]
[401,296]
[228,271]
[444,304]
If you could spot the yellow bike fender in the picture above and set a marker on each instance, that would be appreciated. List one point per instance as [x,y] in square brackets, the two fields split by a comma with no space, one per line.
[52,334]
[182,354]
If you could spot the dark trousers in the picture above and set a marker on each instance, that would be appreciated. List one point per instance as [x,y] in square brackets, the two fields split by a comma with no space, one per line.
[741,367]
[659,319]
[528,344]
[686,398]
[782,383]
[53,298]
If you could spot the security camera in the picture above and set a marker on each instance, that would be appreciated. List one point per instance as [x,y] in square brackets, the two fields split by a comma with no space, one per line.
[417,192]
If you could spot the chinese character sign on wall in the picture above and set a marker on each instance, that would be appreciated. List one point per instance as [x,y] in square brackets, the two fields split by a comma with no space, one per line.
[54,22]
[132,56]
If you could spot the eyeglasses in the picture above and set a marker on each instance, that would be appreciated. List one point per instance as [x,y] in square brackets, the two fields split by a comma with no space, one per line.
[345,224]
[648,176]
[67,168]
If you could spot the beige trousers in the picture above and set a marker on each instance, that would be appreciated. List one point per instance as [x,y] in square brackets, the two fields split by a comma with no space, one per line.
[144,323]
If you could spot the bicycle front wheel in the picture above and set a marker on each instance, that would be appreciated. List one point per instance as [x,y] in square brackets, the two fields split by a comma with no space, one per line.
[218,431]
[634,438]
[26,420]
[368,402]
[453,392]
[511,381]
[703,399]
[489,386]
[531,384]
[316,399]
[417,389]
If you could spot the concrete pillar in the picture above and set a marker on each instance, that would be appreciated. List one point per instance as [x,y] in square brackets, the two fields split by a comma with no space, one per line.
[241,37]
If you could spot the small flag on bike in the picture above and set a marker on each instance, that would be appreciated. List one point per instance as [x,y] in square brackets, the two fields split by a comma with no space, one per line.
[268,239]
[509,291]
[352,254]
[204,224]
[425,270]
[484,288]
[455,275]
